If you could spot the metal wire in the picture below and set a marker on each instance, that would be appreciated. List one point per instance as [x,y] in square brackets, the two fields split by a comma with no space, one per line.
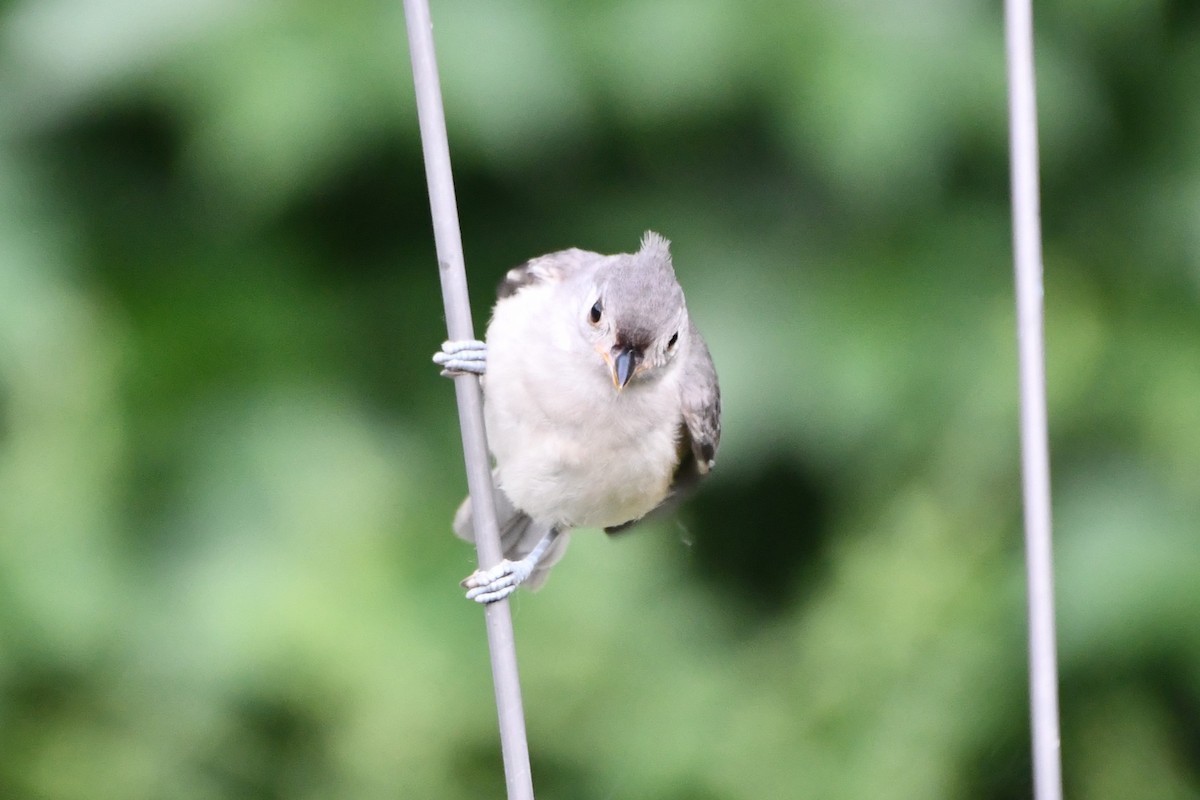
[448,240]
[1035,449]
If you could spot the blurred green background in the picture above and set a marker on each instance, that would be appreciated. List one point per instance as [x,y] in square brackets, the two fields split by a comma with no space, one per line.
[227,465]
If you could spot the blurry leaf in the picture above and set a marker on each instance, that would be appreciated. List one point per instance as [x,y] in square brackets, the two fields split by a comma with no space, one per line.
[61,55]
[1127,560]
[512,87]
[1125,751]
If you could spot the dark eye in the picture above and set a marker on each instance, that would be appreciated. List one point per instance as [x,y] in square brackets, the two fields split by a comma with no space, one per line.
[595,313]
[674,338]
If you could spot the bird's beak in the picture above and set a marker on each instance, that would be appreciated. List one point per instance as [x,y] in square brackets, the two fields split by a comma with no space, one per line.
[624,365]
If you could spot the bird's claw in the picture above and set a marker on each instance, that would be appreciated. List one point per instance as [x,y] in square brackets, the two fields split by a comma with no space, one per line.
[462,358]
[497,583]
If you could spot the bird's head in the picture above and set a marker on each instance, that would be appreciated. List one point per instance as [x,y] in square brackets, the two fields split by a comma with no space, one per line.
[635,316]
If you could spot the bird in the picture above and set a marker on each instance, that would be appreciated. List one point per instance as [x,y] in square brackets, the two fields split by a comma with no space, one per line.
[601,403]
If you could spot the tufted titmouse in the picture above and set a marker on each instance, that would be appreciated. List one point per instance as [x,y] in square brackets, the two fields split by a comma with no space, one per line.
[600,399]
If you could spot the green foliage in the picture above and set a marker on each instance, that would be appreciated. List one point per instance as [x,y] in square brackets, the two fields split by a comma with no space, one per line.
[227,466]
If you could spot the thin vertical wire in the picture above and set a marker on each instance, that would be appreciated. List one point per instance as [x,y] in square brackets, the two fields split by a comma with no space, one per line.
[1035,449]
[448,239]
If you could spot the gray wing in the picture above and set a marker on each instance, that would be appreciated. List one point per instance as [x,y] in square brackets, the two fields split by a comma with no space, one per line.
[701,403]
[550,268]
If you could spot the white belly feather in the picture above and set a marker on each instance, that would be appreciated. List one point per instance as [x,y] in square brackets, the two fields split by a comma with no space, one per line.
[569,448]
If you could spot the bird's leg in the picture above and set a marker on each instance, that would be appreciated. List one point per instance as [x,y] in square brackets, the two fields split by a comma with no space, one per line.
[490,585]
[462,358]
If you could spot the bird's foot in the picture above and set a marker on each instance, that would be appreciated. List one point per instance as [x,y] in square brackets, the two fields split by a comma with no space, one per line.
[497,583]
[462,358]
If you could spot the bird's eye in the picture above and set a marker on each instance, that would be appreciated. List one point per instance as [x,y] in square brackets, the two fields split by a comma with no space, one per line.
[595,313]
[674,338]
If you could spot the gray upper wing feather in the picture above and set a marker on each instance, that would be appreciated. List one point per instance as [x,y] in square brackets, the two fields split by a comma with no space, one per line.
[551,267]
[701,402]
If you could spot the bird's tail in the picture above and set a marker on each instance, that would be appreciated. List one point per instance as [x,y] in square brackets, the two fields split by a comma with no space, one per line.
[519,534]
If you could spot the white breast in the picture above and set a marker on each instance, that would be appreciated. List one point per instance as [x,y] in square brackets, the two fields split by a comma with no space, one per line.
[569,448]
